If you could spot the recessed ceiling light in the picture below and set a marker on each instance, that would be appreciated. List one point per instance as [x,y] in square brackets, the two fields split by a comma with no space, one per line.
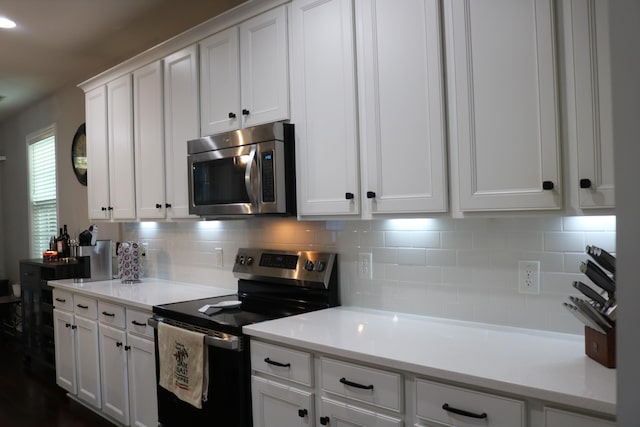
[6,23]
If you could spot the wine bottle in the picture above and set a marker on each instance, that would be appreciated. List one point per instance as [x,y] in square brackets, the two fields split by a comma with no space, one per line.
[59,244]
[65,239]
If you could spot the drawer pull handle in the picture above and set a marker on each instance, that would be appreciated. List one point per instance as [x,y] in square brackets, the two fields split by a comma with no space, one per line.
[281,365]
[82,306]
[345,381]
[448,408]
[106,313]
[61,300]
[138,323]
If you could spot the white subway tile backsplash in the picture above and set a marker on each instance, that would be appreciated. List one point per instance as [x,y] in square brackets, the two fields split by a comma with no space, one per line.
[564,242]
[462,269]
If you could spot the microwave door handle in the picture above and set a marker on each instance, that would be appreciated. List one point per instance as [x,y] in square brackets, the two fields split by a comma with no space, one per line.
[248,175]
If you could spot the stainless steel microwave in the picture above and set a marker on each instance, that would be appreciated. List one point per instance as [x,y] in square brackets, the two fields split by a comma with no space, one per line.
[244,172]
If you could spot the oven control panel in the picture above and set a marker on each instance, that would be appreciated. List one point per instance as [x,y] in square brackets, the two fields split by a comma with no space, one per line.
[302,266]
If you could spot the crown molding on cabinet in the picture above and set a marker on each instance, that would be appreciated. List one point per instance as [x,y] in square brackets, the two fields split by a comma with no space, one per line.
[218,23]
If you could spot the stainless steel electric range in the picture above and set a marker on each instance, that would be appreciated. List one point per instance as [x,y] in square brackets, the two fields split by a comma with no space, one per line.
[271,284]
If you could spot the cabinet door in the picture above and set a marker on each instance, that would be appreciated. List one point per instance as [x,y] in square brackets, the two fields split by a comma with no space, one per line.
[592,96]
[88,361]
[503,104]
[338,414]
[149,141]
[121,161]
[142,381]
[65,350]
[97,153]
[324,107]
[264,68]
[220,82]
[401,96]
[557,418]
[113,369]
[278,405]
[181,121]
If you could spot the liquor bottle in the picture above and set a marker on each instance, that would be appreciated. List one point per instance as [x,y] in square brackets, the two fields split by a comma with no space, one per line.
[65,239]
[60,244]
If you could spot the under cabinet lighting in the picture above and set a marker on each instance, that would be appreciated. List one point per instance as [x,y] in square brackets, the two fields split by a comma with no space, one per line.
[6,23]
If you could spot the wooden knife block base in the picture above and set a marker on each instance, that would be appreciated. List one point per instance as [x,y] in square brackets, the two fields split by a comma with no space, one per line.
[601,347]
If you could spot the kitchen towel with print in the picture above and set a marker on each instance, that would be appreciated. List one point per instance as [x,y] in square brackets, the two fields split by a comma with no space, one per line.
[184,359]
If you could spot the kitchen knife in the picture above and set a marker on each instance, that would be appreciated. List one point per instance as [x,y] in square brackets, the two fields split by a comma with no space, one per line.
[603,258]
[590,293]
[599,277]
[589,311]
[582,318]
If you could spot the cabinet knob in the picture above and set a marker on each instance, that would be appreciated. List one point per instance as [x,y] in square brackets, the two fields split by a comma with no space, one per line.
[371,194]
[324,421]
[232,115]
[547,185]
[302,413]
[118,344]
[74,327]
[110,208]
[167,205]
[158,205]
[103,209]
[67,325]
[127,347]
[348,196]
[585,183]
[245,112]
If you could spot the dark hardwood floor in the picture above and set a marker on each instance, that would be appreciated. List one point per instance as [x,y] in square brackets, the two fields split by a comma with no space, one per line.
[29,397]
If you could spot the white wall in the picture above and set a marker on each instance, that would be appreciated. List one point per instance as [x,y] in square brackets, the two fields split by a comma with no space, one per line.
[455,268]
[65,109]
[625,55]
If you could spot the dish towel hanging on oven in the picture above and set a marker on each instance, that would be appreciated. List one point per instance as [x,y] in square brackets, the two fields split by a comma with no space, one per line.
[184,360]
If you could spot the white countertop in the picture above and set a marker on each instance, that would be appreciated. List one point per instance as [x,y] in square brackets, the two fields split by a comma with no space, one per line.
[534,364]
[144,295]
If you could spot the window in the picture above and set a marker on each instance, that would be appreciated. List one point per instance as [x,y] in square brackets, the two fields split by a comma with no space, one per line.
[43,207]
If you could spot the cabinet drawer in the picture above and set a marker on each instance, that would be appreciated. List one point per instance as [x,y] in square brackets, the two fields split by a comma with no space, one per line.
[500,411]
[85,306]
[111,314]
[373,386]
[62,300]
[281,362]
[137,322]
[558,418]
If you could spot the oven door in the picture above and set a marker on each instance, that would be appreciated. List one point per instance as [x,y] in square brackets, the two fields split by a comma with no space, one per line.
[244,180]
[229,392]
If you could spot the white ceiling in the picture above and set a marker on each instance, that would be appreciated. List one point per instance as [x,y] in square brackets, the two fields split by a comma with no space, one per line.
[60,42]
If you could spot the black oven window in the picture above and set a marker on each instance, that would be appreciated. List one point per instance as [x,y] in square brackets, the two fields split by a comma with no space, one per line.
[220,181]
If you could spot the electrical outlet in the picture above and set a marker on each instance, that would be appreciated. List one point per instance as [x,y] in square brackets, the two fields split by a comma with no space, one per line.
[365,265]
[529,277]
[217,257]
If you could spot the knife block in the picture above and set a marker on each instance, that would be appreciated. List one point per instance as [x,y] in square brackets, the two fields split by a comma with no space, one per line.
[601,347]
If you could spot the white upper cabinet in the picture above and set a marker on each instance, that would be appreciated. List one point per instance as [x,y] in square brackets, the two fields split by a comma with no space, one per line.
[590,113]
[503,104]
[149,141]
[180,125]
[323,107]
[97,153]
[121,160]
[401,94]
[244,74]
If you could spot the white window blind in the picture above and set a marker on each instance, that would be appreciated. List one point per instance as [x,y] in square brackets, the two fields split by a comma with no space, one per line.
[43,197]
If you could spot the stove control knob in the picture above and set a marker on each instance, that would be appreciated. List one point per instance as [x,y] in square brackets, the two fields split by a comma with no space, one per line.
[320,266]
[249,260]
[241,261]
[308,265]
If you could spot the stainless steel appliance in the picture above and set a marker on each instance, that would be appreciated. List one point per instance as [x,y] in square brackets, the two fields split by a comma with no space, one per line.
[271,284]
[245,172]
[95,262]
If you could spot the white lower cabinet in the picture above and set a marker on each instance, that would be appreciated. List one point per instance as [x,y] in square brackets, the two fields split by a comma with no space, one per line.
[459,407]
[279,405]
[338,414]
[559,418]
[105,356]
[76,347]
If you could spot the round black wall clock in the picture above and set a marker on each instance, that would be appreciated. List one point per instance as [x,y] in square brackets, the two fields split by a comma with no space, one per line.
[79,154]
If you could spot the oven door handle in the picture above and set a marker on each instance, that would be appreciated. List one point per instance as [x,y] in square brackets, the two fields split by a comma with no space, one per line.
[250,177]
[228,343]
